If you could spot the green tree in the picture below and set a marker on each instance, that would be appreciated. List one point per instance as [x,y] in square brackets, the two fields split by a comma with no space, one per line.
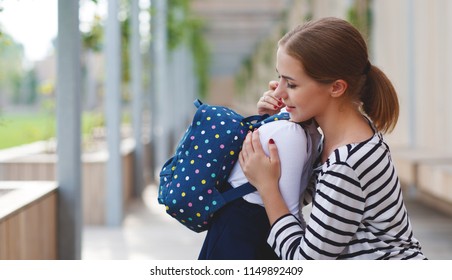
[360,15]
[11,68]
[186,28]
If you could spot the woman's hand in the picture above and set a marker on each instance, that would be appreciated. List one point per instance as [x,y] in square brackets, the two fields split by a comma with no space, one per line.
[263,173]
[260,170]
[268,103]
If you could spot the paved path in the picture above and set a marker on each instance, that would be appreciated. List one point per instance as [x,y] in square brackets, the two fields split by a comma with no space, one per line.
[149,233]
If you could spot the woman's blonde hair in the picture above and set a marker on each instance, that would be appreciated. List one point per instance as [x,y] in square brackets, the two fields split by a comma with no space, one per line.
[330,49]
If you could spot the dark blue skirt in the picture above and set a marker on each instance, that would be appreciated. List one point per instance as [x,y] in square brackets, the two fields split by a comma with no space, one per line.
[238,231]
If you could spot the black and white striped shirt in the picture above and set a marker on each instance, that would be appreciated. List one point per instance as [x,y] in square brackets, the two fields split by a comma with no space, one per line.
[357,212]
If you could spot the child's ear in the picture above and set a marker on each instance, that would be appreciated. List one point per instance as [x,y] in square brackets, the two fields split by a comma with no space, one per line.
[338,88]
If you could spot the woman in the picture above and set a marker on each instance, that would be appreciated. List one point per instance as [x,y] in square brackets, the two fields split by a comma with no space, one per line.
[357,206]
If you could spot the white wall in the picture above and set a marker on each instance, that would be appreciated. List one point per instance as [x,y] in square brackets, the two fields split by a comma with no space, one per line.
[411,39]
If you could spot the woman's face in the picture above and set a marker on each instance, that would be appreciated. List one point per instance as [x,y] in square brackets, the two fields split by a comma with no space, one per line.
[304,97]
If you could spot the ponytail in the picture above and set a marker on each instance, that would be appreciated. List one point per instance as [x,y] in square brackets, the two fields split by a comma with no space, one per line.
[380,101]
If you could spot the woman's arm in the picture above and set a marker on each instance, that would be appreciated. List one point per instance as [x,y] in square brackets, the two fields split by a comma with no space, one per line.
[337,213]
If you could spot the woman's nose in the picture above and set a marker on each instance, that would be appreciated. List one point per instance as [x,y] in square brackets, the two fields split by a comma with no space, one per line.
[280,91]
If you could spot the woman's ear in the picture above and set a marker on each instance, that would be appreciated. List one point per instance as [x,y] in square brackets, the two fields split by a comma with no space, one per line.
[338,88]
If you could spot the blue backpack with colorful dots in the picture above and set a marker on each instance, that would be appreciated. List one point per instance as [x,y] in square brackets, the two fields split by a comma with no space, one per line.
[192,182]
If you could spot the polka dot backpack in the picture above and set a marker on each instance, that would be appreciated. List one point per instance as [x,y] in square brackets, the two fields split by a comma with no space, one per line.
[191,181]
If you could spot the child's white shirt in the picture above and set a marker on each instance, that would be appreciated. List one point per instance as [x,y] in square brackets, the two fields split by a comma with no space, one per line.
[295,152]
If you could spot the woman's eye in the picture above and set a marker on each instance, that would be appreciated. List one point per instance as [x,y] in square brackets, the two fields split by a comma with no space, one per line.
[289,85]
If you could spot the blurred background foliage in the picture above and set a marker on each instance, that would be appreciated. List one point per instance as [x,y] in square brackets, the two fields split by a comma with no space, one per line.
[27,101]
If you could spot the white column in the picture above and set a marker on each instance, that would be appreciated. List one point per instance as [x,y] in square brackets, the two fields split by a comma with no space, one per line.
[178,90]
[163,110]
[152,94]
[114,193]
[137,96]
[192,84]
[448,73]
[68,131]
[411,58]
[190,93]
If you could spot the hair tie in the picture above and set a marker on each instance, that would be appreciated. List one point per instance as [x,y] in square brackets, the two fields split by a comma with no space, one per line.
[367,68]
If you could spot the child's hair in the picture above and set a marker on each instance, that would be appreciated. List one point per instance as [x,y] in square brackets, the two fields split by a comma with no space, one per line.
[330,49]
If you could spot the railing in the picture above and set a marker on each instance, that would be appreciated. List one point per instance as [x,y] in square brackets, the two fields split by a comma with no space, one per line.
[33,163]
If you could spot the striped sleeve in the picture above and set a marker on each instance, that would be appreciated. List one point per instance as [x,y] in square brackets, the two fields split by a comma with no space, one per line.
[285,236]
[337,211]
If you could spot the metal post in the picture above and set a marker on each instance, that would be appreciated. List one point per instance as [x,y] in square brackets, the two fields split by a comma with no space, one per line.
[68,131]
[137,100]
[114,193]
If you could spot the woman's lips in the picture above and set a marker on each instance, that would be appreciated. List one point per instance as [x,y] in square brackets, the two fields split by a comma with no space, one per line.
[290,108]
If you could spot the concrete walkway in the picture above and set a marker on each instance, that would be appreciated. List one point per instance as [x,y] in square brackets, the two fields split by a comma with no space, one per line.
[149,233]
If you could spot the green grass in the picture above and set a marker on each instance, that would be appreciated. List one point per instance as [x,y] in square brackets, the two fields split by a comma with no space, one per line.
[22,129]
[19,129]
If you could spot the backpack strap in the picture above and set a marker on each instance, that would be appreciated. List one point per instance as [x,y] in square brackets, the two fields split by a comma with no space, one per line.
[268,119]
[255,118]
[234,193]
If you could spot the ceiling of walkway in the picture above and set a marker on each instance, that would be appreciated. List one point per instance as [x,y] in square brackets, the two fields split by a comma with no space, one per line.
[234,27]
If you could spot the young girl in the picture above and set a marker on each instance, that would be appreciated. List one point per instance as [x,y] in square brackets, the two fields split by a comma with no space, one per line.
[357,206]
[239,230]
